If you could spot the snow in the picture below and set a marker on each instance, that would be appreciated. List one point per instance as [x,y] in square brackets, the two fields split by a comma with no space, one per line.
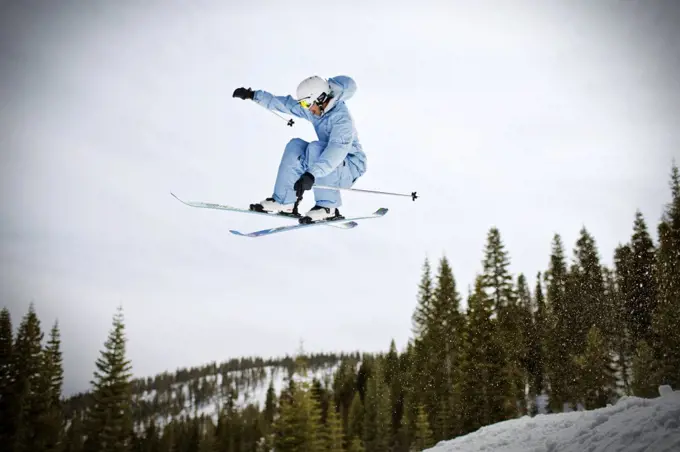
[665,390]
[632,424]
[254,392]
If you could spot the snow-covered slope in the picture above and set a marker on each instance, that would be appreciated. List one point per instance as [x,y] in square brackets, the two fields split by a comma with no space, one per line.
[632,424]
[250,391]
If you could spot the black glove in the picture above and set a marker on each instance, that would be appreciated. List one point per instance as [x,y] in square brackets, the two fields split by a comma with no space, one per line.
[304,183]
[244,93]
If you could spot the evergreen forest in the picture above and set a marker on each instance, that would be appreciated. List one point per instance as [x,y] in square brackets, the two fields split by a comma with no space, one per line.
[577,335]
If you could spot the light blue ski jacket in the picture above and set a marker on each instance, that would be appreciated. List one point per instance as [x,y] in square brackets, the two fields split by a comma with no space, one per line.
[335,127]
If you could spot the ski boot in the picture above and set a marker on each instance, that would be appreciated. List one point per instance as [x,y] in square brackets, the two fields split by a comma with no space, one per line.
[319,213]
[271,206]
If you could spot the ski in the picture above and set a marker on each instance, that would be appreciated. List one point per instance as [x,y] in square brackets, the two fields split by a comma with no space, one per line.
[348,220]
[209,205]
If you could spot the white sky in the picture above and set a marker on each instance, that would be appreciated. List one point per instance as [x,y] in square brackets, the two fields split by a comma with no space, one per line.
[535,117]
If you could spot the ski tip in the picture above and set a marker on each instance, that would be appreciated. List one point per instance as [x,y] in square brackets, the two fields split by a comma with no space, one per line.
[252,234]
[382,211]
[179,199]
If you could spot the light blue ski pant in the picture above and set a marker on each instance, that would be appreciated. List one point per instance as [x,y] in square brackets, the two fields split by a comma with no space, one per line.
[297,157]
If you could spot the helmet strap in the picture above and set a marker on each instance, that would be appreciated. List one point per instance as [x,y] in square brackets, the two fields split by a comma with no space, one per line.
[325,100]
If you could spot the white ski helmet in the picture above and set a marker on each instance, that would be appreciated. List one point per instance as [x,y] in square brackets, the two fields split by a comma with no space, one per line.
[311,90]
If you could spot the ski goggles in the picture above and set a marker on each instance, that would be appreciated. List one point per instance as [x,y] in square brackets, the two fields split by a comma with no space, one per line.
[304,103]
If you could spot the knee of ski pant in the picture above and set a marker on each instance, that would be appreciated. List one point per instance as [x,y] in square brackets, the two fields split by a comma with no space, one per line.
[294,150]
[314,150]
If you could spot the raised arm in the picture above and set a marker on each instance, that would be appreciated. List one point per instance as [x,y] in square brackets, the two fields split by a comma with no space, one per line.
[283,104]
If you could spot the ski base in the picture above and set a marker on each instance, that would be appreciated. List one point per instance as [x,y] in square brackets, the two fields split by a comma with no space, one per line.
[348,222]
[210,205]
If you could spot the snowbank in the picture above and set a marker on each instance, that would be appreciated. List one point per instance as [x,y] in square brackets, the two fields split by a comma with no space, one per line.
[633,424]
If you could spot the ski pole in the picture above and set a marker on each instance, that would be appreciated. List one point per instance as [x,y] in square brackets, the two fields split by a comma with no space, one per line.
[413,195]
[290,121]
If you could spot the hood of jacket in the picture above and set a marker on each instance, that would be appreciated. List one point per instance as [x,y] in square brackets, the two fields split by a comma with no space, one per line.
[343,88]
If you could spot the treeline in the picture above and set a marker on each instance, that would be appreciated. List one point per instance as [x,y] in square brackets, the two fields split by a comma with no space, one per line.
[171,393]
[167,380]
[578,335]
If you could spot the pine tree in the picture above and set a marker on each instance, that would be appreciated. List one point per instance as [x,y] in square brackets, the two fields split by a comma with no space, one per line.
[525,307]
[333,431]
[192,435]
[109,421]
[426,372]
[320,396]
[536,347]
[298,426]
[423,434]
[498,285]
[642,301]
[53,375]
[7,382]
[344,387]
[666,318]
[636,294]
[618,332]
[393,381]
[644,371]
[391,366]
[612,325]
[411,372]
[355,424]
[444,417]
[152,441]
[31,391]
[422,315]
[587,291]
[363,374]
[426,358]
[225,433]
[559,343]
[207,442]
[484,385]
[168,437]
[525,340]
[54,365]
[403,436]
[270,405]
[356,445]
[74,435]
[620,288]
[496,277]
[377,416]
[443,349]
[597,377]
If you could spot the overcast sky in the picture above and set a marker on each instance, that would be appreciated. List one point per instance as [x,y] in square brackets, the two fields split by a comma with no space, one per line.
[535,117]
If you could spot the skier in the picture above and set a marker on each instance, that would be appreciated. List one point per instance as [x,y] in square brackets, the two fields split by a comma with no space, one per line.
[336,159]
